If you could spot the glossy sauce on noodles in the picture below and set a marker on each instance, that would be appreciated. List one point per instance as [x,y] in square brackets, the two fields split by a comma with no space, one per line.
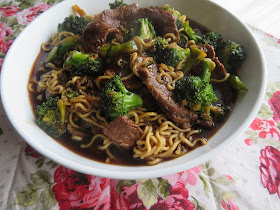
[124,157]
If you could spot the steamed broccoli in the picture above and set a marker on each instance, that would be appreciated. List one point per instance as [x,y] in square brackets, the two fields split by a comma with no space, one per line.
[190,32]
[232,55]
[51,117]
[116,4]
[66,44]
[182,42]
[143,28]
[73,24]
[194,58]
[176,15]
[212,38]
[116,100]
[219,112]
[207,66]
[195,91]
[83,64]
[169,56]
[116,49]
[236,83]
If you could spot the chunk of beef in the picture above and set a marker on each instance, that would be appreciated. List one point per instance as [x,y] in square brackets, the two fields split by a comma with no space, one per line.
[165,98]
[109,21]
[123,131]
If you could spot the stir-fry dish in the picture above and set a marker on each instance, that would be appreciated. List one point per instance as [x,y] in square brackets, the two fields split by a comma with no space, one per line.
[134,86]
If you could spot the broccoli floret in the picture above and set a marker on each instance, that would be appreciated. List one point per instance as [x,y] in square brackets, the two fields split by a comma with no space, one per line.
[51,116]
[143,28]
[116,4]
[196,92]
[194,58]
[116,49]
[212,38]
[73,24]
[176,15]
[190,32]
[83,64]
[69,43]
[182,42]
[219,112]
[116,100]
[170,55]
[232,55]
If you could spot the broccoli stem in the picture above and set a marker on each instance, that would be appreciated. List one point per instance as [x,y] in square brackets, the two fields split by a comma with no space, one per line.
[124,48]
[235,82]
[64,45]
[207,67]
[132,101]
[190,32]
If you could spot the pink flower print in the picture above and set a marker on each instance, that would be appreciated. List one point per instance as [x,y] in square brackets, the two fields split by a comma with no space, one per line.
[267,128]
[9,11]
[75,190]
[178,198]
[129,197]
[5,31]
[229,205]
[275,104]
[270,169]
[26,16]
[249,142]
[278,41]
[1,63]
[188,176]
[229,177]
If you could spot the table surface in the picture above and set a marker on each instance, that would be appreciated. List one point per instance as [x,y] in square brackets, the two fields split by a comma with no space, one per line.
[244,176]
[263,14]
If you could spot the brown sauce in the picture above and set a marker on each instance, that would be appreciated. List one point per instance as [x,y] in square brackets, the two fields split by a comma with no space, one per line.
[124,157]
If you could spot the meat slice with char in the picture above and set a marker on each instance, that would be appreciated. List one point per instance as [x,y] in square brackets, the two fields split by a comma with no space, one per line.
[123,131]
[165,98]
[109,21]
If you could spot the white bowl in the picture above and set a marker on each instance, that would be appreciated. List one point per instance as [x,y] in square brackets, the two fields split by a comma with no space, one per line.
[22,54]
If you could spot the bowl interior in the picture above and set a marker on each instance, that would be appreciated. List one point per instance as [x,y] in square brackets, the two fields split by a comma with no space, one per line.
[21,56]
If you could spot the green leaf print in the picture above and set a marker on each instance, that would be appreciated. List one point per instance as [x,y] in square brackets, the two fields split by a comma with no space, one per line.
[265,112]
[206,184]
[47,199]
[147,192]
[224,180]
[164,187]
[27,195]
[41,178]
[122,183]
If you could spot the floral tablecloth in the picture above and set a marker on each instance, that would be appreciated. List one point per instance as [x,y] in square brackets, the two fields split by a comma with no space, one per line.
[245,176]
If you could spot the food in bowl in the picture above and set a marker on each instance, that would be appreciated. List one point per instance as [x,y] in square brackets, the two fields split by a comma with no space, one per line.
[134,86]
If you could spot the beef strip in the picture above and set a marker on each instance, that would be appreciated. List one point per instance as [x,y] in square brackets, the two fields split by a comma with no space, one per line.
[123,131]
[109,21]
[165,98]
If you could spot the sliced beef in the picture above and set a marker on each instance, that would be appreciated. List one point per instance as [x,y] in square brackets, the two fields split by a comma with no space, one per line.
[165,98]
[147,98]
[123,131]
[109,21]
